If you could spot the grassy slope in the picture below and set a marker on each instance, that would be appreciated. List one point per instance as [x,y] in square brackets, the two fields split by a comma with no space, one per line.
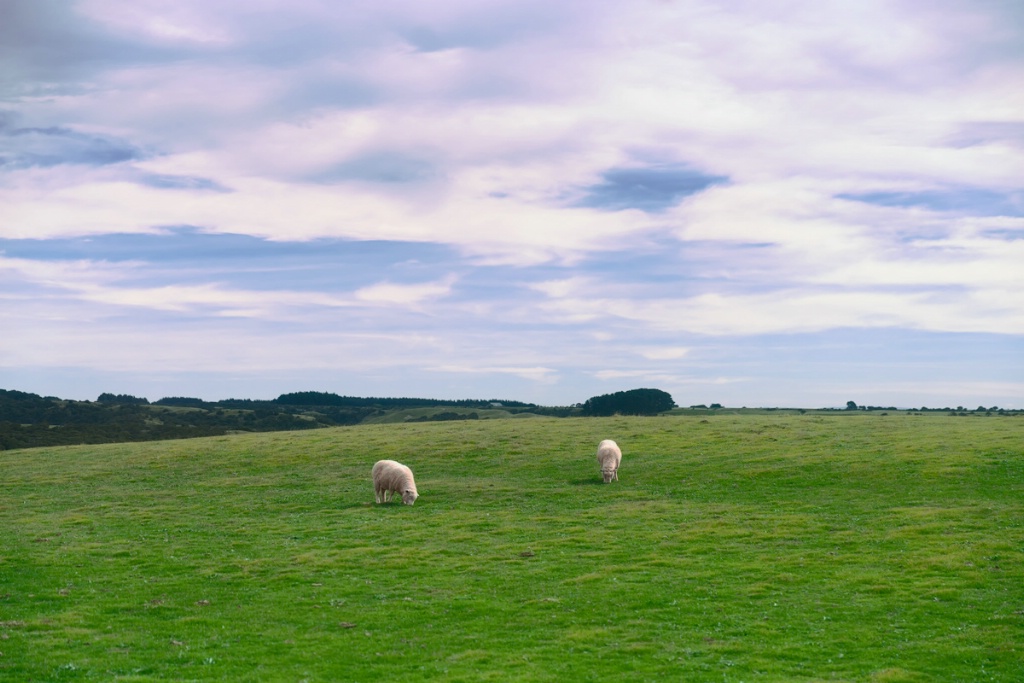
[736,548]
[408,414]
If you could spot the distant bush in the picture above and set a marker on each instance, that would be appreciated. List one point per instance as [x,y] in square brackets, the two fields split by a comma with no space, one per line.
[310,398]
[181,402]
[446,416]
[122,398]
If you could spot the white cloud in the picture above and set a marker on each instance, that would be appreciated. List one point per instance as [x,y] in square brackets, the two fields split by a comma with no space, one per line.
[535,374]
[155,20]
[404,295]
[112,286]
[496,229]
[803,311]
[664,353]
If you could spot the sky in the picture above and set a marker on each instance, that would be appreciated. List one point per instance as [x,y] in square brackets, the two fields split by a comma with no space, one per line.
[784,204]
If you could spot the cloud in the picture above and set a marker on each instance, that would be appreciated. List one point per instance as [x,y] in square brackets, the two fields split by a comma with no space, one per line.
[116,285]
[651,376]
[801,311]
[404,295]
[536,374]
[499,230]
[664,353]
[543,192]
[155,22]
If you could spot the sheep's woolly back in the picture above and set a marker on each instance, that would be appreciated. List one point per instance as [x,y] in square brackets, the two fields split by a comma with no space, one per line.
[390,476]
[608,457]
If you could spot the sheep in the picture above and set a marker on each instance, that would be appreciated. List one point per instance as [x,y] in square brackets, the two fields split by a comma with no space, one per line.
[390,476]
[608,457]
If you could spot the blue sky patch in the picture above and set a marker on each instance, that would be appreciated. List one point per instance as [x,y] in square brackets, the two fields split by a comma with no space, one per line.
[381,168]
[653,188]
[51,146]
[181,182]
[969,201]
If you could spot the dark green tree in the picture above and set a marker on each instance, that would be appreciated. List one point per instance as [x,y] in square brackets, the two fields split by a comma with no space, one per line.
[633,402]
[122,398]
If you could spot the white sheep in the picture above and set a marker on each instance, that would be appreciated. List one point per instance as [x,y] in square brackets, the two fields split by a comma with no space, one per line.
[608,457]
[390,476]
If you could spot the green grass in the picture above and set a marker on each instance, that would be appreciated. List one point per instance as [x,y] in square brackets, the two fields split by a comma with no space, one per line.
[409,414]
[735,548]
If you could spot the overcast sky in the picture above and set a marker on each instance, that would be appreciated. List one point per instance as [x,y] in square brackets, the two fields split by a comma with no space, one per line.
[752,203]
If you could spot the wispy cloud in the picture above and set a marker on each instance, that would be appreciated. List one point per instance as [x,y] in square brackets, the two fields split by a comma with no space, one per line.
[408,295]
[116,286]
[538,374]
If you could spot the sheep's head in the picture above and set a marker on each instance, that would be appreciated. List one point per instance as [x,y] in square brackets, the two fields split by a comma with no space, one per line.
[608,475]
[409,496]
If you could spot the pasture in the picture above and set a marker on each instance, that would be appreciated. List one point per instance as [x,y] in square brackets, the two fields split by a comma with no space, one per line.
[746,547]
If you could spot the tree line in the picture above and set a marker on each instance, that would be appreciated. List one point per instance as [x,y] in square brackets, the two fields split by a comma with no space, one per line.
[29,420]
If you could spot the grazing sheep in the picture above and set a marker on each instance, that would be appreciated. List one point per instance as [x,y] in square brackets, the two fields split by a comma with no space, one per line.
[390,476]
[609,456]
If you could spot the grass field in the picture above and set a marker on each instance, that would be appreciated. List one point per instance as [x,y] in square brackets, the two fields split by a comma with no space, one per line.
[771,547]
